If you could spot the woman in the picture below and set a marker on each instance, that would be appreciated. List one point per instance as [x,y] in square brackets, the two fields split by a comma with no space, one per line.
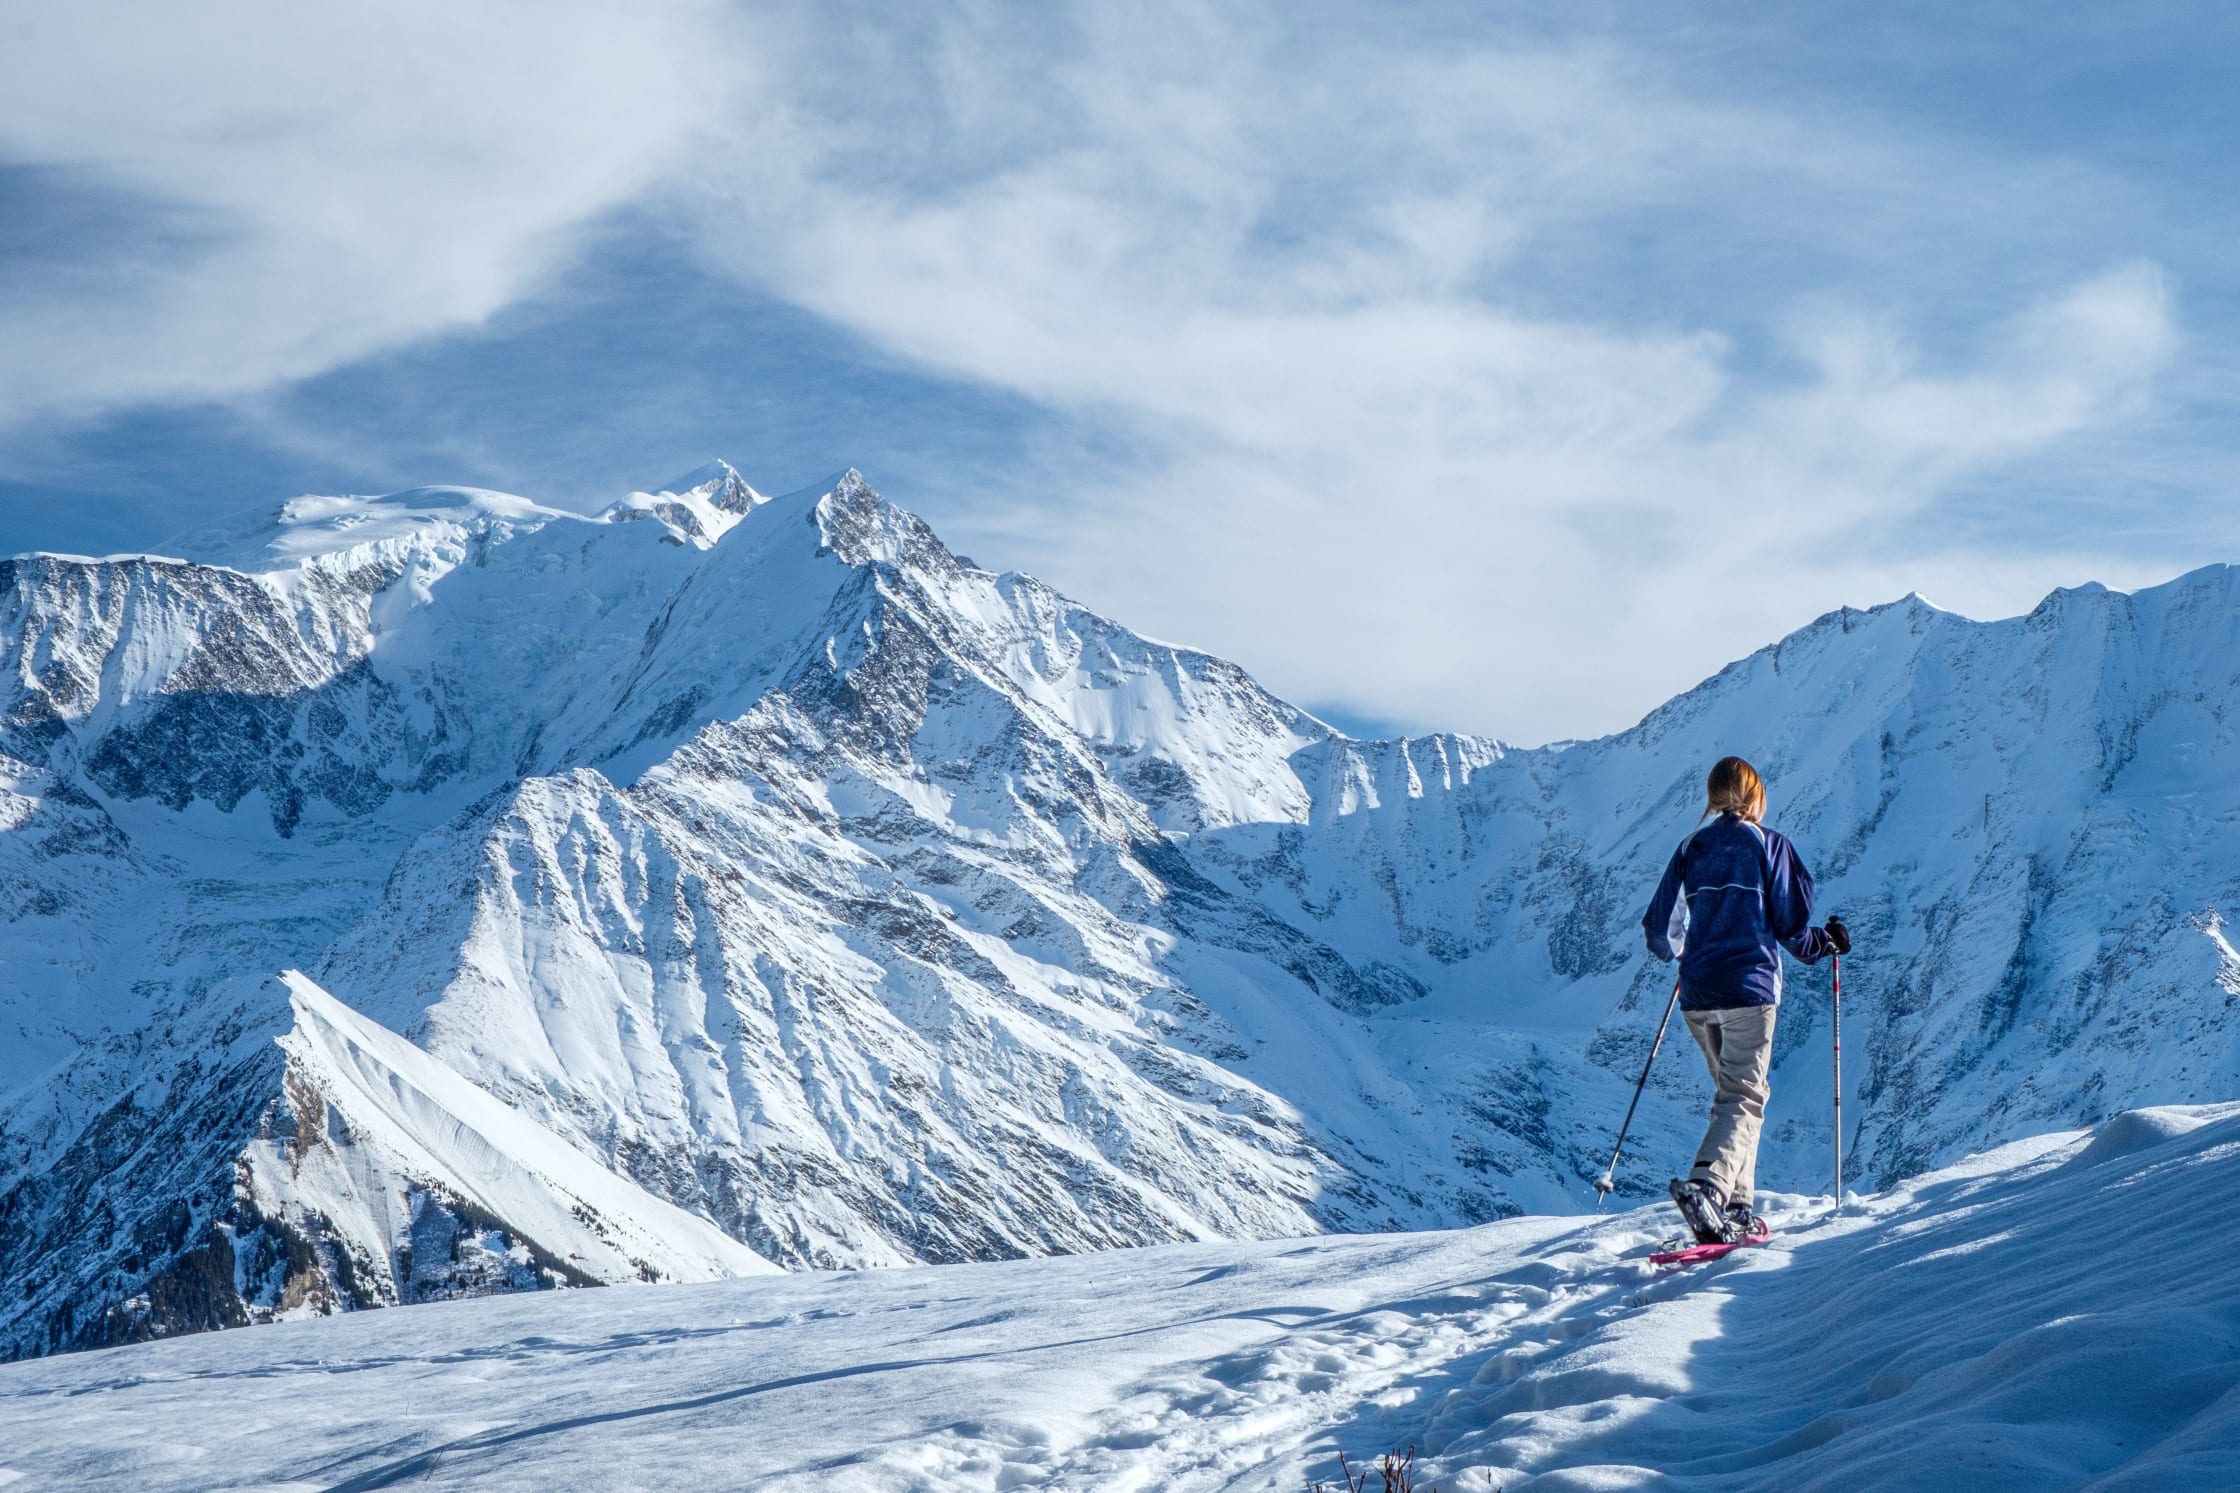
[1733,897]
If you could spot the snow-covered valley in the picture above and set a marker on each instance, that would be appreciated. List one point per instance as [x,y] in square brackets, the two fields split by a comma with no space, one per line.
[724,882]
[1961,1330]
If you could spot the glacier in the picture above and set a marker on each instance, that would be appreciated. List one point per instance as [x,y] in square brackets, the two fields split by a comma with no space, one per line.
[441,894]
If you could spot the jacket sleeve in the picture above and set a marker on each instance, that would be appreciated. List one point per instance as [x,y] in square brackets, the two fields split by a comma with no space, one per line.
[1789,903]
[1666,922]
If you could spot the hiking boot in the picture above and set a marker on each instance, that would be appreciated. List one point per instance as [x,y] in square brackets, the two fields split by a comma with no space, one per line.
[1700,1206]
[1746,1225]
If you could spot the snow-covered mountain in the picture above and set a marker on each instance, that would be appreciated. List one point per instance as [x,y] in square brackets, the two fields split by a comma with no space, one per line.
[800,879]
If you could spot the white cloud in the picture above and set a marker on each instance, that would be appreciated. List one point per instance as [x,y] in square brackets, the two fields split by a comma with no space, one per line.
[1501,381]
[323,182]
[1387,473]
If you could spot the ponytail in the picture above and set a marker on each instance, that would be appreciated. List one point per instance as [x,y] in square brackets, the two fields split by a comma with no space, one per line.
[1735,788]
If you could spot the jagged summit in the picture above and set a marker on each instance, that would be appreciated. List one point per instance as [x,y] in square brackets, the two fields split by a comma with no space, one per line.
[716,473]
[720,484]
[698,508]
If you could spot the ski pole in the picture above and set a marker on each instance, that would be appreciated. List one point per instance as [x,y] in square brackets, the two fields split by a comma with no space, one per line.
[1605,1184]
[1835,968]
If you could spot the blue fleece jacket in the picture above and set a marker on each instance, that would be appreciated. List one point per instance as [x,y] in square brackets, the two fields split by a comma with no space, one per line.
[1732,892]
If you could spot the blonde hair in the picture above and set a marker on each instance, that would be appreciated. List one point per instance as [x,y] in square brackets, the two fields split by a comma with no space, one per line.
[1735,788]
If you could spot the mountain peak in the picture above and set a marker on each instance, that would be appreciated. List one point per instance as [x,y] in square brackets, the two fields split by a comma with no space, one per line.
[864,528]
[698,507]
[719,483]
[717,470]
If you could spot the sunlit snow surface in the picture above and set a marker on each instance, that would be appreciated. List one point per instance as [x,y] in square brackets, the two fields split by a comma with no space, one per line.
[2059,1313]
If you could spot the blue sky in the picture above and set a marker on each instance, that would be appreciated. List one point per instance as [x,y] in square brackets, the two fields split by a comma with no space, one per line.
[1445,365]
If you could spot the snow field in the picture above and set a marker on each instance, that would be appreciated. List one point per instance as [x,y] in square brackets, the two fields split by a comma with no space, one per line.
[1962,1331]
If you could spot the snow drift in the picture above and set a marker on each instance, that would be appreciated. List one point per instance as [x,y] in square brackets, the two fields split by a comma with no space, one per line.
[1963,1329]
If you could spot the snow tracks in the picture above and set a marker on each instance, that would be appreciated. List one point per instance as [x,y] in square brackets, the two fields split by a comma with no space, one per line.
[1959,1333]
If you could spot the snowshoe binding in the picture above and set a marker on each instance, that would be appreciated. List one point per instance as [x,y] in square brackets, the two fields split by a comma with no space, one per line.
[1746,1224]
[1718,1231]
[1707,1219]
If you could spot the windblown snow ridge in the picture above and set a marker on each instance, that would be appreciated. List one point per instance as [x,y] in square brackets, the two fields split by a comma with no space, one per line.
[425,1131]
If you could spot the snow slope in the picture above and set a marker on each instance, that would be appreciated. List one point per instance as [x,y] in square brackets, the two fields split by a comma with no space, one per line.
[874,908]
[380,1124]
[1956,1331]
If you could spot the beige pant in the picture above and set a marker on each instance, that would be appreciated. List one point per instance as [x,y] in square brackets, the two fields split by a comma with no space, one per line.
[1738,1044]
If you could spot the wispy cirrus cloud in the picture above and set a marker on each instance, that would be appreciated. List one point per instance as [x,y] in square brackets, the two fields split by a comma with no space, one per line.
[238,194]
[1441,364]
[1390,452]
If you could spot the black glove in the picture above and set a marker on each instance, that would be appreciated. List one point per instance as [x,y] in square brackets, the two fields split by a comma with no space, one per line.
[1839,937]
